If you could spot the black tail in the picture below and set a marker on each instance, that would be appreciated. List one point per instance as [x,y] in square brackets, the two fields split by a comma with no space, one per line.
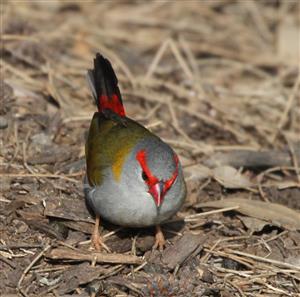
[104,85]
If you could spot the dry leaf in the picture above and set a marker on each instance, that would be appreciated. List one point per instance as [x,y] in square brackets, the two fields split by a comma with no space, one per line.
[194,177]
[273,213]
[197,172]
[231,178]
[253,224]
[287,185]
[288,41]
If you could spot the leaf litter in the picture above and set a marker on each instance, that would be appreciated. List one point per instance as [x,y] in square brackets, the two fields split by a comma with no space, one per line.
[218,80]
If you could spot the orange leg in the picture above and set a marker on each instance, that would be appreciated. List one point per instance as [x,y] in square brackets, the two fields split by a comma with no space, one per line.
[96,239]
[160,241]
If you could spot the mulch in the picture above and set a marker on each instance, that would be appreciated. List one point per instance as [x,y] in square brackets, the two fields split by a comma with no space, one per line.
[218,81]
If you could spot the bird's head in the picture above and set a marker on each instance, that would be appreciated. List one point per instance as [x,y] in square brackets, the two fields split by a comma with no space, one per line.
[151,168]
[158,174]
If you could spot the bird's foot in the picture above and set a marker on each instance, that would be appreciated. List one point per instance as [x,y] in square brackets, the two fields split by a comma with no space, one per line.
[96,239]
[160,241]
[97,243]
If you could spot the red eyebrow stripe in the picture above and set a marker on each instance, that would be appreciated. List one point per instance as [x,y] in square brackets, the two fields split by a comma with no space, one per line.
[169,182]
[141,157]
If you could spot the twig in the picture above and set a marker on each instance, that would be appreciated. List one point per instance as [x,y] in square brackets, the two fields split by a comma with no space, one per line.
[8,262]
[295,157]
[262,259]
[184,66]
[16,150]
[287,109]
[21,74]
[14,37]
[192,218]
[37,175]
[156,59]
[70,254]
[190,56]
[20,246]
[30,265]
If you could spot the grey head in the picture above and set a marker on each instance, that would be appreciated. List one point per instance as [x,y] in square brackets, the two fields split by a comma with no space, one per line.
[156,167]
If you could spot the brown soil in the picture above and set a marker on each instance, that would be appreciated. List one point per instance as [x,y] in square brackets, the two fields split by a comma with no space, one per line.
[209,77]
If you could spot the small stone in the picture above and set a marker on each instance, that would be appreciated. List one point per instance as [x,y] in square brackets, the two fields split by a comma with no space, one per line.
[3,122]
[5,184]
[232,264]
[41,139]
[206,275]
[20,226]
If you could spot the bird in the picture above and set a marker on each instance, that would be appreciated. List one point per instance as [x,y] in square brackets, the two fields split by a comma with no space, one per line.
[133,178]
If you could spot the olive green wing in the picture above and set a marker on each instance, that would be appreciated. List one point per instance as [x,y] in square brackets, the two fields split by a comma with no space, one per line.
[109,143]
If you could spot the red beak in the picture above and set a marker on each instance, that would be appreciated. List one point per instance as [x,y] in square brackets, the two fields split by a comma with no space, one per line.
[157,193]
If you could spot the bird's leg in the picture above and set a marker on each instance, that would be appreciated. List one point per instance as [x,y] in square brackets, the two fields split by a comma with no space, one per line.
[160,241]
[96,238]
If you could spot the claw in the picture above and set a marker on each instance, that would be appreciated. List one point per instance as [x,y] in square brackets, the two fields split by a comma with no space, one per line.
[160,241]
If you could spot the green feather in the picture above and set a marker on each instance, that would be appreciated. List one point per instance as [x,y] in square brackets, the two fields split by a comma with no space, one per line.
[108,144]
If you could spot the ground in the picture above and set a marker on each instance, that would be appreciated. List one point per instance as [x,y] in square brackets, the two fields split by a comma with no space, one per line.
[218,81]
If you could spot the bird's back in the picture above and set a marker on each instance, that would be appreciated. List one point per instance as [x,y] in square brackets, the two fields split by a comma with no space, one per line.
[108,144]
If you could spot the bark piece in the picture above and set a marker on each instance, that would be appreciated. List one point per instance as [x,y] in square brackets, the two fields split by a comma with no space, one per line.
[253,159]
[79,275]
[68,209]
[83,227]
[50,230]
[179,252]
[50,155]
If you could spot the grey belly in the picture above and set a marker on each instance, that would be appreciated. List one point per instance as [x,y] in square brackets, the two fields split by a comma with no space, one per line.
[130,209]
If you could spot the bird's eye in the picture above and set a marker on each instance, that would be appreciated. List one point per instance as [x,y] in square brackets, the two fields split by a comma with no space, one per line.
[144,176]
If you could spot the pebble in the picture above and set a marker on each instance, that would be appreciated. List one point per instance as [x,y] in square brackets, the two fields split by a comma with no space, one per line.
[3,122]
[5,184]
[19,226]
[41,139]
